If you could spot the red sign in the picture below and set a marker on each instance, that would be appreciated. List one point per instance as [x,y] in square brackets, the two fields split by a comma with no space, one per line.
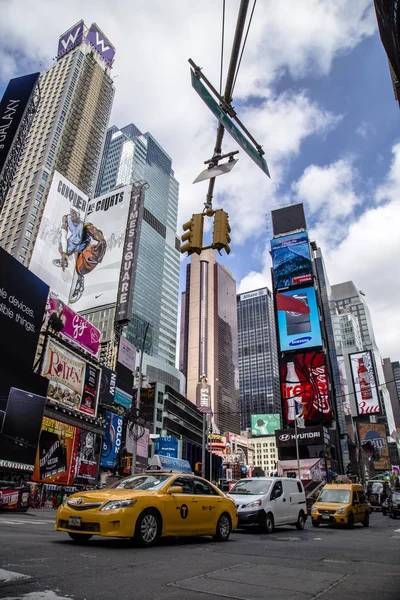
[302,279]
[305,388]
[9,499]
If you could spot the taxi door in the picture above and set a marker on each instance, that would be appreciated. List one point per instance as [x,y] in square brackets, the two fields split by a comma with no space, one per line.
[358,508]
[209,505]
[179,515]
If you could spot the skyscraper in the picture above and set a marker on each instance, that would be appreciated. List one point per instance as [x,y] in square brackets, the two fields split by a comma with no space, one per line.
[131,156]
[209,338]
[67,133]
[258,356]
[346,296]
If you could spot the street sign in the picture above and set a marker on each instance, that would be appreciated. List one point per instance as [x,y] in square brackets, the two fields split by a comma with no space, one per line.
[215,171]
[231,128]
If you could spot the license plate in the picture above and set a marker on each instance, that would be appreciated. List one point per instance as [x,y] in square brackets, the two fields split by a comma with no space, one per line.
[326,517]
[75,521]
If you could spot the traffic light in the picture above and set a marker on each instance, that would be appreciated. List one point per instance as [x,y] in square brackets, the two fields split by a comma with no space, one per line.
[222,229]
[198,467]
[193,236]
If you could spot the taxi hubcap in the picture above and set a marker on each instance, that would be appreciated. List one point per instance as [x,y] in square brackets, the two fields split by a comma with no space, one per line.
[224,526]
[148,528]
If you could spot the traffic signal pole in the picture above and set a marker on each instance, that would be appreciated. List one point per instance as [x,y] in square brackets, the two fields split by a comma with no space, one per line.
[230,78]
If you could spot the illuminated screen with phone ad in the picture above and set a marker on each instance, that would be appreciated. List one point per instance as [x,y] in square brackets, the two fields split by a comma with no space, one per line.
[300,330]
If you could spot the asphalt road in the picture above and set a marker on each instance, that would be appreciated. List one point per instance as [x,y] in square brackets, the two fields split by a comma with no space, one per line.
[37,563]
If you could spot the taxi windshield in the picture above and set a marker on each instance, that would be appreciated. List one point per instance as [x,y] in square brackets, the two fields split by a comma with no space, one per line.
[339,496]
[251,486]
[141,482]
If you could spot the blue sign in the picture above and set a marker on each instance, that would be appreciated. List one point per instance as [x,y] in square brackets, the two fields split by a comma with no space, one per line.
[112,441]
[169,464]
[291,260]
[166,446]
[122,398]
[298,330]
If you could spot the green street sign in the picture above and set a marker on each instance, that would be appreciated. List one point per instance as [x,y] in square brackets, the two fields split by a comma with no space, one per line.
[231,128]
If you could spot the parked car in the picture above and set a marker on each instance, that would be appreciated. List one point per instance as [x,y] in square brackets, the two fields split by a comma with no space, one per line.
[394,505]
[268,502]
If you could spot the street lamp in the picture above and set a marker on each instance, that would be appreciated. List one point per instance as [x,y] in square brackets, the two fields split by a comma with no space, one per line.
[297,442]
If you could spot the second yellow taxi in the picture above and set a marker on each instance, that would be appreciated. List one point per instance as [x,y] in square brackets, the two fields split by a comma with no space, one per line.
[147,507]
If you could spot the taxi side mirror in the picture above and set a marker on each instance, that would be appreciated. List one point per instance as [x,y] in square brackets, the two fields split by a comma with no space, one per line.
[175,489]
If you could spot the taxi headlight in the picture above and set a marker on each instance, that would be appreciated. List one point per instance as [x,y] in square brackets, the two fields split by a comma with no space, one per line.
[314,510]
[254,504]
[341,510]
[118,504]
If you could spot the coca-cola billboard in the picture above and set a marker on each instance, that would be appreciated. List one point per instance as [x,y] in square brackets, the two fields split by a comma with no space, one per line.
[365,388]
[305,390]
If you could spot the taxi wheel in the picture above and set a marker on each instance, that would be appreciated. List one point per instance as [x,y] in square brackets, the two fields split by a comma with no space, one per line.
[223,528]
[80,537]
[366,519]
[148,528]
[350,521]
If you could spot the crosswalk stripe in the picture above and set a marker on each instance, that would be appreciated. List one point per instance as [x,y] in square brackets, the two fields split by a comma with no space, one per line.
[7,576]
[46,595]
[23,522]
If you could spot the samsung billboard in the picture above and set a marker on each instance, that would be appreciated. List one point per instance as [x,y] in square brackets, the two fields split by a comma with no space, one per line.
[298,329]
[291,260]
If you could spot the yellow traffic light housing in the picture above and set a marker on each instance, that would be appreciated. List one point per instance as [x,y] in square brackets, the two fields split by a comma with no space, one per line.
[193,236]
[222,229]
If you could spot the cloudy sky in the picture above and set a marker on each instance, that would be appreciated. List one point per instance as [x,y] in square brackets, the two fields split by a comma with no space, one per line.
[313,88]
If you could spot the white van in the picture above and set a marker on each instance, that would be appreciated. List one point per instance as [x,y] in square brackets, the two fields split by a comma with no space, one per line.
[270,501]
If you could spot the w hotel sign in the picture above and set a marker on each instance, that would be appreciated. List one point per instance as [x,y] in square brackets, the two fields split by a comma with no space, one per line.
[94,36]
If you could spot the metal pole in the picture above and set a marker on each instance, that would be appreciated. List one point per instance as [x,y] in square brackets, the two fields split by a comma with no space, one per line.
[136,435]
[209,447]
[230,77]
[297,447]
[203,449]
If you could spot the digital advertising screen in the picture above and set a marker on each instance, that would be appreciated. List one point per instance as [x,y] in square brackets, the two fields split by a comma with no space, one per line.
[265,424]
[305,390]
[376,434]
[365,388]
[298,329]
[291,260]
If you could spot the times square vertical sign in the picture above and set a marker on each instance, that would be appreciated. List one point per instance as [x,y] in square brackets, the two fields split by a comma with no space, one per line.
[129,258]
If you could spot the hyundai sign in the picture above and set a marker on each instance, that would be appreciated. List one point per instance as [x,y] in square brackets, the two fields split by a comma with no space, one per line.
[309,436]
[300,330]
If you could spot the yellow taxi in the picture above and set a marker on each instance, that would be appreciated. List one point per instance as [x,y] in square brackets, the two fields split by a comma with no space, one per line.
[149,506]
[341,503]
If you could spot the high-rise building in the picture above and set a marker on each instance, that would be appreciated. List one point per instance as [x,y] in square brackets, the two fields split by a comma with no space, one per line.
[67,133]
[209,336]
[346,297]
[388,15]
[131,156]
[258,355]
[391,370]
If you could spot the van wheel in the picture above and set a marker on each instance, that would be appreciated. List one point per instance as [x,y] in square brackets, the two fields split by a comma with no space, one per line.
[268,525]
[366,519]
[301,522]
[350,521]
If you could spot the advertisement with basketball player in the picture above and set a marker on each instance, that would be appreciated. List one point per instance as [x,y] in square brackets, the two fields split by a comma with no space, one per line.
[99,255]
[60,238]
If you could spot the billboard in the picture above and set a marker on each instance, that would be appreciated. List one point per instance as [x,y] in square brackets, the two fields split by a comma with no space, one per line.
[60,236]
[99,254]
[122,398]
[112,440]
[265,424]
[12,108]
[23,298]
[107,386]
[166,446]
[71,38]
[291,260]
[203,398]
[309,436]
[62,319]
[56,455]
[98,40]
[127,354]
[299,329]
[288,219]
[344,386]
[86,459]
[123,311]
[251,295]
[305,389]
[377,435]
[365,389]
[20,430]
[73,383]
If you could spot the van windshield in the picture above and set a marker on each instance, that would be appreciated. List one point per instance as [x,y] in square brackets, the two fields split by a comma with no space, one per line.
[251,486]
[339,496]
